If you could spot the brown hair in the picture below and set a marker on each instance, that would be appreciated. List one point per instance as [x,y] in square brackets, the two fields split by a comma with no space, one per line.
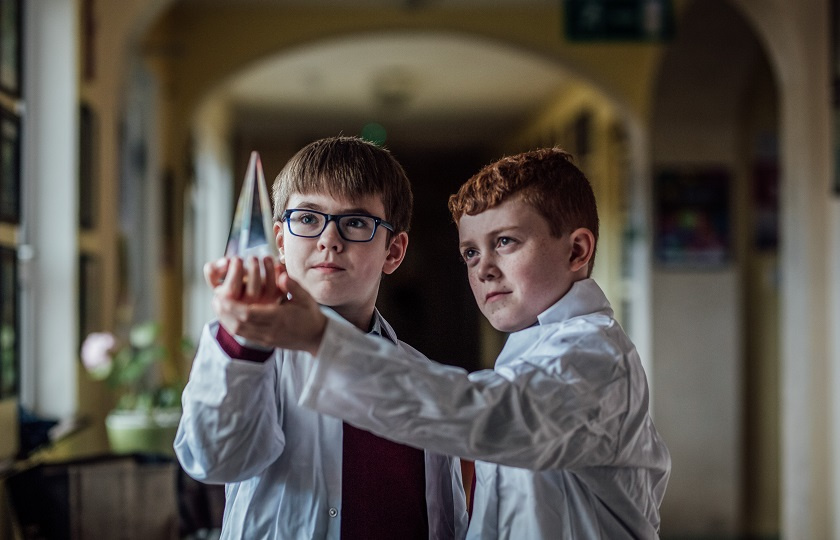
[347,167]
[545,178]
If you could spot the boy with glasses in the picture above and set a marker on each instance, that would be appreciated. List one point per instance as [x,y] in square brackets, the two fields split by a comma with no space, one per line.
[291,472]
[563,443]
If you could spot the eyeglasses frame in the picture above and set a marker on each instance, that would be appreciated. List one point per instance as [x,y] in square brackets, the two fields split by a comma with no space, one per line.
[377,221]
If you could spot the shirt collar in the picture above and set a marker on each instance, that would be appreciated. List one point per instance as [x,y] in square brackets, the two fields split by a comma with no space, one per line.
[376,325]
[585,297]
[378,328]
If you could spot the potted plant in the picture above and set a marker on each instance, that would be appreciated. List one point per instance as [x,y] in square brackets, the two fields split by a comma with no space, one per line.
[147,409]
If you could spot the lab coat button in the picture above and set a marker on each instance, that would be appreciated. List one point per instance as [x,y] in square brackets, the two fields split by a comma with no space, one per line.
[333,512]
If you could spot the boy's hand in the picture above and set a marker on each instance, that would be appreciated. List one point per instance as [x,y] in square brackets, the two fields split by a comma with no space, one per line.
[251,281]
[287,318]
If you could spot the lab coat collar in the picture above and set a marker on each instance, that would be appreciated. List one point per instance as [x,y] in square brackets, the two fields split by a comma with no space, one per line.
[585,297]
[381,327]
[378,326]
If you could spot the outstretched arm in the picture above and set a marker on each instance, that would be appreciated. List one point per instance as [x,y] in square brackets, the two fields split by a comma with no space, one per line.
[551,403]
[560,401]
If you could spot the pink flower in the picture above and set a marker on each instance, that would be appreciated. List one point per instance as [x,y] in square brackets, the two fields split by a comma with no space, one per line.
[96,352]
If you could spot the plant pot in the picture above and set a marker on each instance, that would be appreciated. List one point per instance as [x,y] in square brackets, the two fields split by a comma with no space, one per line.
[145,432]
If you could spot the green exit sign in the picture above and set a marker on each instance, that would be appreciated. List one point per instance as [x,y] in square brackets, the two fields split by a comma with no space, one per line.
[618,20]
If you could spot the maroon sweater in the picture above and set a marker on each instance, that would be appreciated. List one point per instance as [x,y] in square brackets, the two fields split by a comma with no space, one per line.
[383,484]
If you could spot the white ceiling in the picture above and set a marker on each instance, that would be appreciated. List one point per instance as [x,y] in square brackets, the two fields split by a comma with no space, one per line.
[430,88]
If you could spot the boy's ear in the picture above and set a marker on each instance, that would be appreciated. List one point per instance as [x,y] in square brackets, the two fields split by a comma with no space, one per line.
[583,248]
[278,237]
[396,252]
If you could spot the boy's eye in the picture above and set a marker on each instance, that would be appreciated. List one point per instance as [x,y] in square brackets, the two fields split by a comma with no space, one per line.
[505,241]
[357,222]
[468,254]
[307,219]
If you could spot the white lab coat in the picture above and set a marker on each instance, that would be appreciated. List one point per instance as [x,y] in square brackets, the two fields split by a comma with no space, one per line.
[281,463]
[560,430]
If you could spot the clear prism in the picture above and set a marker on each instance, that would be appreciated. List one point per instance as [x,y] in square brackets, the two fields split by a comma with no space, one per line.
[251,232]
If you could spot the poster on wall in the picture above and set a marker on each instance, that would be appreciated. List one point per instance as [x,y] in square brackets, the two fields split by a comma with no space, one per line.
[692,224]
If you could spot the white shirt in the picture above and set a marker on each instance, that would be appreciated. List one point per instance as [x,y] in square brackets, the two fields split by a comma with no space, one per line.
[281,463]
[560,430]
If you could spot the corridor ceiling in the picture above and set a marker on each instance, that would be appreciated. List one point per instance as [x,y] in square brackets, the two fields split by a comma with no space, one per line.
[431,88]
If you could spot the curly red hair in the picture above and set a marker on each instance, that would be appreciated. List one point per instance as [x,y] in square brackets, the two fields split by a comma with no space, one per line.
[545,178]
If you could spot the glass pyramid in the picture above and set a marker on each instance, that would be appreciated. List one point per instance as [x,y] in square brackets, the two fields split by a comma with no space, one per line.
[251,232]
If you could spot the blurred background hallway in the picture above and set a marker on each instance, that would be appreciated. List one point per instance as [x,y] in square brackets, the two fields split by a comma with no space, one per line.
[707,128]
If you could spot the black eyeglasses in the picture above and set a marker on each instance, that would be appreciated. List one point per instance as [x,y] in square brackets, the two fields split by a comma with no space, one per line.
[352,227]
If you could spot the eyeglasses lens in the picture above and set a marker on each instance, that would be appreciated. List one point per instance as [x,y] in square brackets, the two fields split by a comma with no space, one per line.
[352,228]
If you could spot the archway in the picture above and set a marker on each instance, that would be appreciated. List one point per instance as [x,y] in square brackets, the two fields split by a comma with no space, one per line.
[716,288]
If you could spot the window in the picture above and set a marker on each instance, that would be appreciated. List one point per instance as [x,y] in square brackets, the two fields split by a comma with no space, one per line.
[11,34]
[11,218]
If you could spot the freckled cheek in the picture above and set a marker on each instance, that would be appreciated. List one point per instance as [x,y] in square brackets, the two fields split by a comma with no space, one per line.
[474,283]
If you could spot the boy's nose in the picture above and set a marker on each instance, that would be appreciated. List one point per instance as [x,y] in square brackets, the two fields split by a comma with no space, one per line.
[487,269]
[330,238]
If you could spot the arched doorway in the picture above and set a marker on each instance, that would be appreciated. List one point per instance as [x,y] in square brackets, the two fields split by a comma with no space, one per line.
[716,289]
